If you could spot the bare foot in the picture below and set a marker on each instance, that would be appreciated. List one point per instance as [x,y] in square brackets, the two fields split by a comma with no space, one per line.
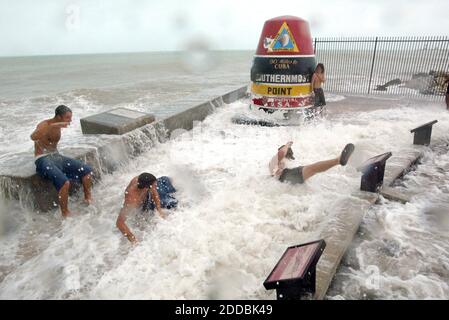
[88,201]
[132,239]
[162,215]
[66,214]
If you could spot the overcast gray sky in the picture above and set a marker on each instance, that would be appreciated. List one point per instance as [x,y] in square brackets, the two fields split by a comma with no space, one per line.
[29,27]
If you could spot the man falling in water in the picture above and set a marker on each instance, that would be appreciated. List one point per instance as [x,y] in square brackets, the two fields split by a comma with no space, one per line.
[298,175]
[147,193]
[50,164]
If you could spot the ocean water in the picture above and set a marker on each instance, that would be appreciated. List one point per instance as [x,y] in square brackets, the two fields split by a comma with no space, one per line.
[233,221]
[32,87]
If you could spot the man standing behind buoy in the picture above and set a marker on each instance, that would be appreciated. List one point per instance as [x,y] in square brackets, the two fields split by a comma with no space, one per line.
[317,80]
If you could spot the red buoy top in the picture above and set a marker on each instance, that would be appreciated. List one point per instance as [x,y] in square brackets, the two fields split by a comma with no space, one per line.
[286,35]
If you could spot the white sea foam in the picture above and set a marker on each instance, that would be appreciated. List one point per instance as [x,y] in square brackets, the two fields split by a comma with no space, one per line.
[233,222]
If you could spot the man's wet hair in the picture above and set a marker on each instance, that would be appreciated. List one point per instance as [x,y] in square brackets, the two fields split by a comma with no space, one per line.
[289,154]
[320,65]
[145,180]
[62,110]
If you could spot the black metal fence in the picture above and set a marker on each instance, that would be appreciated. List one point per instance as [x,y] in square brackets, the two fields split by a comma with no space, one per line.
[410,66]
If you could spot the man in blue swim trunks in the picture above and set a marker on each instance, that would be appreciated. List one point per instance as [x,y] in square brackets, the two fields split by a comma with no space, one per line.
[147,193]
[50,164]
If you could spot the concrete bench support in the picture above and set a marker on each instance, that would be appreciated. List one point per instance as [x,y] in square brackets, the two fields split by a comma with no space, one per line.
[295,273]
[423,134]
[373,171]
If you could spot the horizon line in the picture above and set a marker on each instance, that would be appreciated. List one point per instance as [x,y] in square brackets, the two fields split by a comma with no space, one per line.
[116,52]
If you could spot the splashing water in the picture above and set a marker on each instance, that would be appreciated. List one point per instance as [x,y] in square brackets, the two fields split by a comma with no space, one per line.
[233,221]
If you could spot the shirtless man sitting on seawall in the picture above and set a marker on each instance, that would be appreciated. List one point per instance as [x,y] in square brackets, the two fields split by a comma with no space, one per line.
[50,164]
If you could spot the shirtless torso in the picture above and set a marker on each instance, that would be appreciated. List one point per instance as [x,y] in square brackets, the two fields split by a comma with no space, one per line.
[317,80]
[48,133]
[134,199]
[46,137]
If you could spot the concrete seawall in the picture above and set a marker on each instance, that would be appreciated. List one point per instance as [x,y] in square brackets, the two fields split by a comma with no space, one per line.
[18,179]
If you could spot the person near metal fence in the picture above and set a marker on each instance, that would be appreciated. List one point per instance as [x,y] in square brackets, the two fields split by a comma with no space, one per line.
[317,80]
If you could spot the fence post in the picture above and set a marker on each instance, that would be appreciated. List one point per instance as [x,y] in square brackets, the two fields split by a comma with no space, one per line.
[314,46]
[372,66]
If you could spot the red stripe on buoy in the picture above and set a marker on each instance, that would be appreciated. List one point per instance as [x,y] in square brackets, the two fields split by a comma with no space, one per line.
[299,30]
[283,65]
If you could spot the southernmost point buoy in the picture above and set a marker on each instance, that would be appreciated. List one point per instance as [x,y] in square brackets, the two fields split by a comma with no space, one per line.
[283,66]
